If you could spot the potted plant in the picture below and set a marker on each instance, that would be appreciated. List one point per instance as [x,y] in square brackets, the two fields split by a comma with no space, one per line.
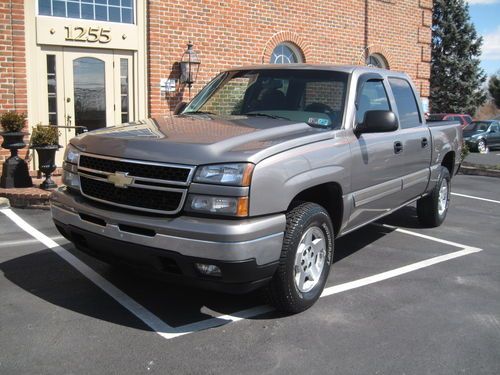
[15,172]
[45,140]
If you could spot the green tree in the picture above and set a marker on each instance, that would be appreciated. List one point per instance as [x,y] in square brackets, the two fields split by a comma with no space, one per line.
[456,77]
[494,88]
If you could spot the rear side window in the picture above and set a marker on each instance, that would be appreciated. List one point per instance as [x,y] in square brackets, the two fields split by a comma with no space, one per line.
[494,128]
[409,116]
[372,97]
[468,119]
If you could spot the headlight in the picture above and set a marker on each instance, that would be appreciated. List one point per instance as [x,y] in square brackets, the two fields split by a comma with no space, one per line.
[72,154]
[231,206]
[70,167]
[237,174]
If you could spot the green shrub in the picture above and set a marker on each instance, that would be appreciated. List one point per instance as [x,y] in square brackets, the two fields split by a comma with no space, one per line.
[12,122]
[465,151]
[44,136]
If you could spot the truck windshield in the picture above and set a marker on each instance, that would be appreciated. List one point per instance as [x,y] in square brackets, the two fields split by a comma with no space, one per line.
[313,96]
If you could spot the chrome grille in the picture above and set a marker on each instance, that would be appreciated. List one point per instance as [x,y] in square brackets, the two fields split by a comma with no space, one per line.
[150,187]
[151,171]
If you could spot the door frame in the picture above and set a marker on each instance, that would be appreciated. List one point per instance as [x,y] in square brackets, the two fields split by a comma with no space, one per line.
[36,66]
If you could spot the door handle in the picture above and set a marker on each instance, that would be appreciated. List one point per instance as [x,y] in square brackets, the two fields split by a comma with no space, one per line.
[398,147]
[425,142]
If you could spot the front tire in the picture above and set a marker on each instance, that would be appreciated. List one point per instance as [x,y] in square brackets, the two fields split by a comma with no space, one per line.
[305,260]
[432,209]
[482,147]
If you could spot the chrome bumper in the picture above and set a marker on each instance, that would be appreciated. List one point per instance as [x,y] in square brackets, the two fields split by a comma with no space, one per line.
[225,240]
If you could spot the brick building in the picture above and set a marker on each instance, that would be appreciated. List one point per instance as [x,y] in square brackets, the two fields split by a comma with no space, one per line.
[100,62]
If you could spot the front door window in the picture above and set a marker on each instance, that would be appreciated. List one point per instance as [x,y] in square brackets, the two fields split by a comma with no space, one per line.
[89,87]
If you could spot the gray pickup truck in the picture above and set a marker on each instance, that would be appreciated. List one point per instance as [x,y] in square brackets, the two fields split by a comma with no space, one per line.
[249,184]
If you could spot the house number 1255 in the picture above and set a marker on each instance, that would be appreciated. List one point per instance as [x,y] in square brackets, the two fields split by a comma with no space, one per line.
[88,34]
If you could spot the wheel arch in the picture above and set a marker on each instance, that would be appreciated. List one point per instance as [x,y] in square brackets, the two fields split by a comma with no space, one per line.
[329,196]
[449,162]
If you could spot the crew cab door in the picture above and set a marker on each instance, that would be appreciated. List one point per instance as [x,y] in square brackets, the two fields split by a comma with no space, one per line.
[493,137]
[375,172]
[415,137]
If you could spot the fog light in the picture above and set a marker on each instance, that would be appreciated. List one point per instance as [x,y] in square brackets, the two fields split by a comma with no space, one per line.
[208,269]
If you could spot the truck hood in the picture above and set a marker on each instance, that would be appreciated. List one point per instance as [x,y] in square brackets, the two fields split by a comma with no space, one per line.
[200,139]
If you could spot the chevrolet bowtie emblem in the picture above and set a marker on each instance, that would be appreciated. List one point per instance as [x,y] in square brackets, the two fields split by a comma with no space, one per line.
[120,179]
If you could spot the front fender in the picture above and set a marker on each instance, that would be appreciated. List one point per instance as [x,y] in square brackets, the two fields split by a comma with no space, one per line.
[279,179]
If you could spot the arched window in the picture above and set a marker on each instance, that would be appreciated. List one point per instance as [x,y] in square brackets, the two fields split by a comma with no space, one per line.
[286,53]
[377,61]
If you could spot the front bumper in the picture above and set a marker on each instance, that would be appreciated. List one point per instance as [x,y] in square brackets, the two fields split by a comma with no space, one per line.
[247,251]
[471,142]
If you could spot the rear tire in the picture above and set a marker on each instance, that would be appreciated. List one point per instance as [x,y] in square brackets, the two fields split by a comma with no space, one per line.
[432,209]
[305,261]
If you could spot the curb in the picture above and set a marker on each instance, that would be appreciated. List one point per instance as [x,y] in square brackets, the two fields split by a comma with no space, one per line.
[25,199]
[479,171]
[4,202]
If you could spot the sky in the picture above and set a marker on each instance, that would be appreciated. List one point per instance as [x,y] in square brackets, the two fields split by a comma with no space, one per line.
[486,17]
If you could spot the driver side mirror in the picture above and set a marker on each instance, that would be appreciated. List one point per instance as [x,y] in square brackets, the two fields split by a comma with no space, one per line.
[377,121]
[179,108]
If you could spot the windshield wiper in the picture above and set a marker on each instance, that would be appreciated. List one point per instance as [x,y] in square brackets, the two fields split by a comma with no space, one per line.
[253,114]
[198,113]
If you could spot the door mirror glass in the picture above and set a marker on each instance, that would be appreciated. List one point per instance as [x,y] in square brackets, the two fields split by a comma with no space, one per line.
[378,121]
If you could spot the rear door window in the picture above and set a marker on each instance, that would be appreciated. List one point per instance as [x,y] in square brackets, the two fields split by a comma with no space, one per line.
[409,115]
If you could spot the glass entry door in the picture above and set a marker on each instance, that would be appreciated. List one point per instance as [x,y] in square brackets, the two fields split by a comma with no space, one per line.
[97,88]
[86,87]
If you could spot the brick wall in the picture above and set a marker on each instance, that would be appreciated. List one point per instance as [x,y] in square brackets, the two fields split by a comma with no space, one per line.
[231,33]
[13,95]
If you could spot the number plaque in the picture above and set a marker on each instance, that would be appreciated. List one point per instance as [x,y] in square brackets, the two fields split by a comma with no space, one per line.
[88,34]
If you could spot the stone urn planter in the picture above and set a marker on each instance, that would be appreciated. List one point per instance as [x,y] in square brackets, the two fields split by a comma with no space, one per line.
[47,164]
[15,173]
[45,141]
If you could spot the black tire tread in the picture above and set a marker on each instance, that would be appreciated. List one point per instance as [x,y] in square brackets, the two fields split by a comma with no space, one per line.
[427,206]
[278,296]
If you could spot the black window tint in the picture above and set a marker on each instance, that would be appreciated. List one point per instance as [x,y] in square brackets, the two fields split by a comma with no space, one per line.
[372,97]
[409,115]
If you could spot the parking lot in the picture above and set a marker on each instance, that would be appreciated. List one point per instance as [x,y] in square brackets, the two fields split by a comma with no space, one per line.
[400,300]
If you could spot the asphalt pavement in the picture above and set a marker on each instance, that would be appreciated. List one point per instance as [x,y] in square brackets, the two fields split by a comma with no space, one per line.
[400,299]
[491,159]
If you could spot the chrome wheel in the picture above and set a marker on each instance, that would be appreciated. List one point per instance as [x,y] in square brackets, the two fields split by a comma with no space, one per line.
[481,147]
[443,197]
[310,259]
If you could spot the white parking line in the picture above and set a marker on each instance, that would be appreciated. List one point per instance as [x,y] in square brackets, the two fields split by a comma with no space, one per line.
[168,332]
[478,198]
[135,308]
[26,242]
[249,313]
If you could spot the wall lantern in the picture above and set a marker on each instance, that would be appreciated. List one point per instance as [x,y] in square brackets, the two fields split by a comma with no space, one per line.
[190,63]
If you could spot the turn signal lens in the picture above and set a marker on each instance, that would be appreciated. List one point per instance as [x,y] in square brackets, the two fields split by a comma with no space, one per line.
[231,206]
[242,207]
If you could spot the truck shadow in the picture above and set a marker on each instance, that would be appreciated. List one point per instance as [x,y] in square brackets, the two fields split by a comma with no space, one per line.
[47,276]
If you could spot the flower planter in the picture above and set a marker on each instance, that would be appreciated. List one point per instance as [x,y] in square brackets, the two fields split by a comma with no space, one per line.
[15,173]
[47,164]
